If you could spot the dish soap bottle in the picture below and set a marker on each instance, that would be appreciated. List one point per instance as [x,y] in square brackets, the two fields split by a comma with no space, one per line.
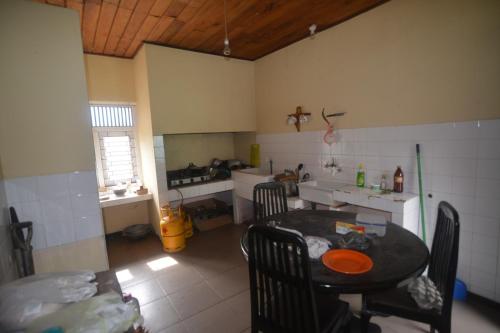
[398,180]
[360,176]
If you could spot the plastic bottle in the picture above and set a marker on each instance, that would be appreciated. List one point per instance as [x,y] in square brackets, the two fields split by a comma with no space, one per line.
[383,183]
[360,176]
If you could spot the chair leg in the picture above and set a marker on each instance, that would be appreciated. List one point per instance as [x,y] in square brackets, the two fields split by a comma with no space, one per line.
[365,320]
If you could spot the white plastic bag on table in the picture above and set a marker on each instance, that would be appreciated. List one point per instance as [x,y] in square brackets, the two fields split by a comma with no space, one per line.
[317,246]
[101,314]
[26,299]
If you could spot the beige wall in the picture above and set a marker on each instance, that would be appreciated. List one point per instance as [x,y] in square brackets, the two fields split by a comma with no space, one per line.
[242,143]
[44,121]
[86,254]
[200,149]
[145,134]
[405,62]
[197,93]
[109,79]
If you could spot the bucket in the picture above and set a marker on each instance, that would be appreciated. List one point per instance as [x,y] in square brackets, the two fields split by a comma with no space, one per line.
[172,230]
[460,291]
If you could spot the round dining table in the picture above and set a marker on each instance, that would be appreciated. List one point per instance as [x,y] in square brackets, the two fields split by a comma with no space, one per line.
[396,256]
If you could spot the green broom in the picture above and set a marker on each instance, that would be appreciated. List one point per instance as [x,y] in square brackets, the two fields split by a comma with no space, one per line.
[421,194]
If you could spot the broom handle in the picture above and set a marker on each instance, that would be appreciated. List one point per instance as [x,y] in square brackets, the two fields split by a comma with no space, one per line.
[421,195]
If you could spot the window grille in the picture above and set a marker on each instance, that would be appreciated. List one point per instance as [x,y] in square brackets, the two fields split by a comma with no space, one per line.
[111,115]
[115,145]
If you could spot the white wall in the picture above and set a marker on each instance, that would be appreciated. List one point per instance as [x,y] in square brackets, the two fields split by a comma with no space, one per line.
[461,165]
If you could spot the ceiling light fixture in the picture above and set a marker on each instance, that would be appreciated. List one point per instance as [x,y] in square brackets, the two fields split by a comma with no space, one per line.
[227,49]
[312,30]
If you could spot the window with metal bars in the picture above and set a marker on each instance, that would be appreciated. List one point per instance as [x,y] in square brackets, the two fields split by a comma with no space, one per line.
[114,141]
[105,115]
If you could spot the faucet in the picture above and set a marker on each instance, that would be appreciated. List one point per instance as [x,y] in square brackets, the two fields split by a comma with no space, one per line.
[333,166]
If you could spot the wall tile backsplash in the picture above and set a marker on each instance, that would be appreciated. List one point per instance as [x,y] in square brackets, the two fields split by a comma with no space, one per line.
[64,208]
[460,164]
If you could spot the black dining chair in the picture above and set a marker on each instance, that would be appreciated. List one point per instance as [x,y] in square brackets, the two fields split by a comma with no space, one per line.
[281,289]
[268,199]
[442,271]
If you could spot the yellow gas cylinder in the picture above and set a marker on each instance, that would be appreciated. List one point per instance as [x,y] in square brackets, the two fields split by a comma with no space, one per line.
[172,230]
[188,226]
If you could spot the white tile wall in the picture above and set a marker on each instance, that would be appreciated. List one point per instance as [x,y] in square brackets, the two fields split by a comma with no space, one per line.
[64,208]
[161,169]
[460,164]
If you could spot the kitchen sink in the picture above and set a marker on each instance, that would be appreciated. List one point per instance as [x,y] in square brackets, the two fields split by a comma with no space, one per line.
[319,191]
[255,171]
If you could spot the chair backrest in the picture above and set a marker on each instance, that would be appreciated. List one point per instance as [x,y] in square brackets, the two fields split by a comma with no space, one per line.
[444,254]
[268,199]
[282,297]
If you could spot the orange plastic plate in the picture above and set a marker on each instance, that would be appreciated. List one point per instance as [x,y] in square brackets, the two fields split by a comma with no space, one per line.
[347,261]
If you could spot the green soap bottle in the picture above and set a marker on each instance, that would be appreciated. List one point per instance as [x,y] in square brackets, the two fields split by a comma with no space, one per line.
[360,176]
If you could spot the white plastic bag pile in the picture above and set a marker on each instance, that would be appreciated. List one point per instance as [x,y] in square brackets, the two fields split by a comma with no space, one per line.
[101,314]
[316,246]
[425,293]
[26,299]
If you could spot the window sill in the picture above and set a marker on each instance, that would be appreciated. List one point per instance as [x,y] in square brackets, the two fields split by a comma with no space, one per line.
[123,200]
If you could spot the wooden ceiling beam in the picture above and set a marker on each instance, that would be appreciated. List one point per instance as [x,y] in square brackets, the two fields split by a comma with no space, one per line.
[255,27]
[215,35]
[176,8]
[191,17]
[159,29]
[141,35]
[91,12]
[106,19]
[119,24]
[139,15]
[172,29]
[160,7]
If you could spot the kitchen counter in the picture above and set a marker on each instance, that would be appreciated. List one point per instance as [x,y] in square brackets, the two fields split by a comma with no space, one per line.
[295,203]
[404,207]
[196,190]
[123,200]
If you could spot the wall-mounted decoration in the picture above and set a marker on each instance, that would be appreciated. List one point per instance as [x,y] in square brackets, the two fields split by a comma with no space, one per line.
[329,137]
[298,118]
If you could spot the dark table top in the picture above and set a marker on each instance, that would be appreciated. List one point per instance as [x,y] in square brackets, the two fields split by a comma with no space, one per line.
[106,282]
[397,256]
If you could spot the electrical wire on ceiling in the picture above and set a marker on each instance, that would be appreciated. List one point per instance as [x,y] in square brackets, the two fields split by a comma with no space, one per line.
[227,49]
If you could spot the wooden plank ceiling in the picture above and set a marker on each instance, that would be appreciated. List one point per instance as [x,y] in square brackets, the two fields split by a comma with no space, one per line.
[256,27]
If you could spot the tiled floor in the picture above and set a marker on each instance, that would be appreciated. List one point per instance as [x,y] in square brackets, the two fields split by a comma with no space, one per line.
[205,288]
